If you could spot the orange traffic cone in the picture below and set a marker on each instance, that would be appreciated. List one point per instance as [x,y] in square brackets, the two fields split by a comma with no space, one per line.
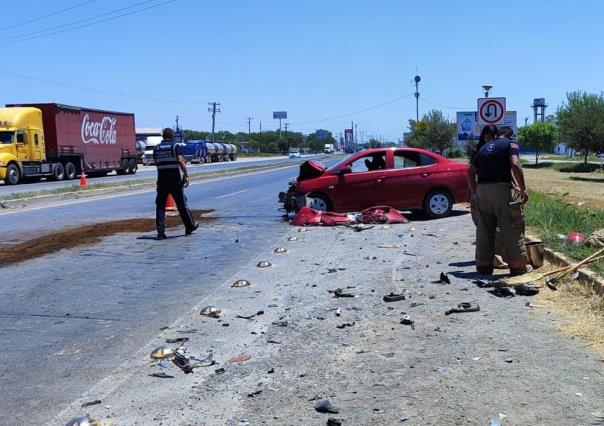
[83,180]
[170,204]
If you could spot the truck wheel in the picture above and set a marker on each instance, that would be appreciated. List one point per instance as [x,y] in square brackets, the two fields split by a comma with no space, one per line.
[438,203]
[58,172]
[133,166]
[125,167]
[13,175]
[70,171]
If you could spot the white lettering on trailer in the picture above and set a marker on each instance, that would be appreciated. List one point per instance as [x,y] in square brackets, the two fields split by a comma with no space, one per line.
[99,132]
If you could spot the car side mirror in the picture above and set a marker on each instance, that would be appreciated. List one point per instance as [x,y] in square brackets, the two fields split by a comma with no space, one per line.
[344,170]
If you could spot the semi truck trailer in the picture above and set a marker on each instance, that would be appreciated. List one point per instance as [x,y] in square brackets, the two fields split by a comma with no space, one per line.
[57,142]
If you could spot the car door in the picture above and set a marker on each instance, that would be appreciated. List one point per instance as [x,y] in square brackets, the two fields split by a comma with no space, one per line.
[410,178]
[364,186]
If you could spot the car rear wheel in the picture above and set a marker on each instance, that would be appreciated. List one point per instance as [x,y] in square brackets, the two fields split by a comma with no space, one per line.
[318,202]
[438,203]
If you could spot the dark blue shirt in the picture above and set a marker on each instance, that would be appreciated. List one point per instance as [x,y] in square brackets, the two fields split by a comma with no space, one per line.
[166,158]
[492,161]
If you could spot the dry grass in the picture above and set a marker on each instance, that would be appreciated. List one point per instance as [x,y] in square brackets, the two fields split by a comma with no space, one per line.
[553,182]
[581,308]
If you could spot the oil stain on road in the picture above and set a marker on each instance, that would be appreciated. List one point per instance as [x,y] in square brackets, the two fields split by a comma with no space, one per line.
[86,235]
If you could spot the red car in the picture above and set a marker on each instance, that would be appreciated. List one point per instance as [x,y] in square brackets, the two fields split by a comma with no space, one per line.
[403,178]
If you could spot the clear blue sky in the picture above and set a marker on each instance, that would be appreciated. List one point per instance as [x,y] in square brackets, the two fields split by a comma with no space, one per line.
[315,59]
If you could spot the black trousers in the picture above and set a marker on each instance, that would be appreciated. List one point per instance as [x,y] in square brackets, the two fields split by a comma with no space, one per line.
[171,185]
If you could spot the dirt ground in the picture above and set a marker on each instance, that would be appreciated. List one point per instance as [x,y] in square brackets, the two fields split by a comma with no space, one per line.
[85,235]
[578,187]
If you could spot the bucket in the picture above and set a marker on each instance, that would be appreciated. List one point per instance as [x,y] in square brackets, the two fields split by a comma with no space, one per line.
[535,251]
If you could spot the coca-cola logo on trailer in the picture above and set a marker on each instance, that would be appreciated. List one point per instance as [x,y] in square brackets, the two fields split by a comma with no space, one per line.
[99,132]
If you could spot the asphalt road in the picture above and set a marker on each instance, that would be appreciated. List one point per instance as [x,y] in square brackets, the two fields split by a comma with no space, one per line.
[146,172]
[69,318]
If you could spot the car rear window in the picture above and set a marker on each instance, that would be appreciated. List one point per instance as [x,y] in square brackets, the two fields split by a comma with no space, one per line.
[403,160]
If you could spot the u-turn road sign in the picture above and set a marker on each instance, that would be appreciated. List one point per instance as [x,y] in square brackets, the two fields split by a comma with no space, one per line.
[491,111]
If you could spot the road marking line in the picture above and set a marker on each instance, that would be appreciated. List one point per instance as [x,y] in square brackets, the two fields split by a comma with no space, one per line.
[232,193]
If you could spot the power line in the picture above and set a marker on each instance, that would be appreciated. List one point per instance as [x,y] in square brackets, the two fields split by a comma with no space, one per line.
[356,112]
[39,18]
[105,92]
[445,106]
[48,31]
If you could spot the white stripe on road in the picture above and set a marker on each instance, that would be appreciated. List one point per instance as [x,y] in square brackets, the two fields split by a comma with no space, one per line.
[232,193]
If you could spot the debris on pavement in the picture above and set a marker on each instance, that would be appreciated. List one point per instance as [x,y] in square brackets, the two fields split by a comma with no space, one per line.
[338,312]
[241,283]
[526,290]
[334,422]
[346,324]
[89,403]
[212,312]
[443,279]
[294,238]
[264,264]
[463,307]
[84,421]
[394,297]
[390,246]
[240,358]
[280,250]
[406,320]
[161,375]
[162,352]
[178,340]
[324,406]
[338,292]
[501,291]
[360,227]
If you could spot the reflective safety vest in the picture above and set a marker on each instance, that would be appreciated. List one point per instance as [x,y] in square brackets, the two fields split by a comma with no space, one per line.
[165,154]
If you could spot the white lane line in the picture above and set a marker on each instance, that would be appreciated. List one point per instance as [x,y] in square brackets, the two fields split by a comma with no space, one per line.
[232,193]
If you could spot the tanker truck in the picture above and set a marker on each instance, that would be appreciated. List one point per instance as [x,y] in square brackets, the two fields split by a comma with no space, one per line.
[59,142]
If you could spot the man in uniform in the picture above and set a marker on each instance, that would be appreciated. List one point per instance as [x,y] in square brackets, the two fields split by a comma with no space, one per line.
[169,163]
[497,165]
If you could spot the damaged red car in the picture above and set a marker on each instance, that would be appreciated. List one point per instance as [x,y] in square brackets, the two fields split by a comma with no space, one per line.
[404,178]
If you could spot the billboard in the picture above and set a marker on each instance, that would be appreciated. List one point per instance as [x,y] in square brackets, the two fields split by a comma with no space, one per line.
[280,115]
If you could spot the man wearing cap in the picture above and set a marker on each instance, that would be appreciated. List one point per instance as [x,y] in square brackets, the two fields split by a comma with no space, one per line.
[497,165]
[169,163]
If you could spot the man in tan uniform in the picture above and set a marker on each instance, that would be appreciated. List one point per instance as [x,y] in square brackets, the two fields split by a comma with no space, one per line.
[497,165]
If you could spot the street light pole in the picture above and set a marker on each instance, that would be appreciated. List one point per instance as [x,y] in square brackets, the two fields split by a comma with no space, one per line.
[417,80]
[487,88]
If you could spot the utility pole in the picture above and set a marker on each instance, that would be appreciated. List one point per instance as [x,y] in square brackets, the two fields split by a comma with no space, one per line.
[249,125]
[261,127]
[177,127]
[417,80]
[286,126]
[213,109]
[356,133]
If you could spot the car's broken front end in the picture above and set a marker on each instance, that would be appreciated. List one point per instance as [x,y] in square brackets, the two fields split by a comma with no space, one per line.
[295,197]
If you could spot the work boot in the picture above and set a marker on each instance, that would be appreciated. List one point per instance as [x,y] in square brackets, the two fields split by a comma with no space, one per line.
[191,230]
[514,272]
[485,270]
[161,236]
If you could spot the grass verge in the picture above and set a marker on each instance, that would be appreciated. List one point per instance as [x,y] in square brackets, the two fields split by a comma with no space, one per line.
[551,216]
[565,167]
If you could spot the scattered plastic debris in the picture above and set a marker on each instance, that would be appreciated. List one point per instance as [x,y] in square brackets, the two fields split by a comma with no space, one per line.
[293,238]
[389,246]
[406,320]
[240,358]
[241,283]
[212,312]
[84,421]
[89,403]
[576,238]
[264,264]
[394,297]
[324,406]
[346,324]
[338,312]
[280,250]
[338,292]
[443,279]
[463,307]
[334,422]
[163,352]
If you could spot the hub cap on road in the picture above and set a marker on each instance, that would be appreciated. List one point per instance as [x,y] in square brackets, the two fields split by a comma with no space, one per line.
[439,204]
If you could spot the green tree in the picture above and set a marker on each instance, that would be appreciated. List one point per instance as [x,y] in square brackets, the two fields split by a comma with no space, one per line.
[581,122]
[374,143]
[541,136]
[433,132]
